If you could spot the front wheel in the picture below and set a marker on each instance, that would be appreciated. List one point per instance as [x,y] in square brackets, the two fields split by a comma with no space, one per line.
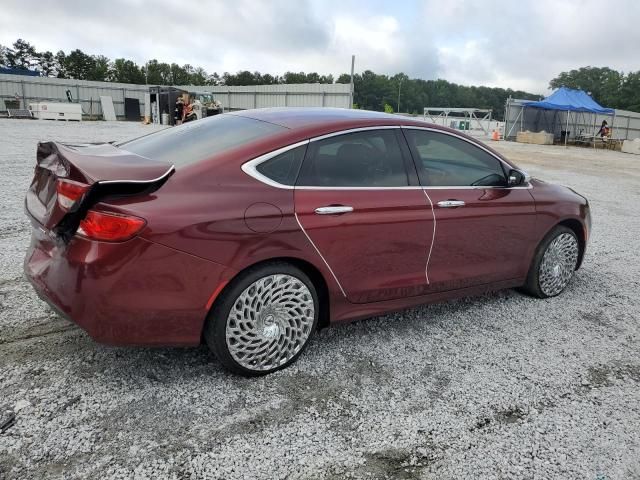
[553,264]
[264,320]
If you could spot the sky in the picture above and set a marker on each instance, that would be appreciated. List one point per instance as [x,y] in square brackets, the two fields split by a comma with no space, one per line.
[519,44]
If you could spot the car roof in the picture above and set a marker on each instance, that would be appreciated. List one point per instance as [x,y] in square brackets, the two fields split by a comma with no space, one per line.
[317,117]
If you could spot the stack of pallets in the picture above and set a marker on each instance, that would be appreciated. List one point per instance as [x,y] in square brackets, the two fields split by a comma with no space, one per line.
[19,113]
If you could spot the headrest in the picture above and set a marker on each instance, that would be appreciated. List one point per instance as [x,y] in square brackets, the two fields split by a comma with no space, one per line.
[353,152]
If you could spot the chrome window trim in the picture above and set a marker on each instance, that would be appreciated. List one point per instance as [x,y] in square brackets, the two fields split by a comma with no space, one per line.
[453,187]
[355,130]
[476,187]
[250,169]
[408,187]
[481,147]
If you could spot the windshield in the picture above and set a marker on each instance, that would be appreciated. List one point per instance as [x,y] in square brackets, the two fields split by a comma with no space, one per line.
[201,139]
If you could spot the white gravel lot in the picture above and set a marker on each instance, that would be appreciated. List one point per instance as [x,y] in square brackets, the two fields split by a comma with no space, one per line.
[500,386]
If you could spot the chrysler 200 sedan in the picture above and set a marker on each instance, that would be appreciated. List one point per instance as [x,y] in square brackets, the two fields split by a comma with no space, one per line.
[250,230]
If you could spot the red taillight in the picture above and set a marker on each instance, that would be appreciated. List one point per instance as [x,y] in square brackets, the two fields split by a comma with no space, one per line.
[69,192]
[110,227]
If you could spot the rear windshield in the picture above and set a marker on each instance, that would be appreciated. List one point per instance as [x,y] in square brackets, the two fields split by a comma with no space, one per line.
[200,139]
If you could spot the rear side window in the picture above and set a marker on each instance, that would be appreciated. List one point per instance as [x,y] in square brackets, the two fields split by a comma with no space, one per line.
[201,139]
[371,158]
[445,160]
[283,168]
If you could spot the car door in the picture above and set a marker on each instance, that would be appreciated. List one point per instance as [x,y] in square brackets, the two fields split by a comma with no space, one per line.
[483,228]
[359,202]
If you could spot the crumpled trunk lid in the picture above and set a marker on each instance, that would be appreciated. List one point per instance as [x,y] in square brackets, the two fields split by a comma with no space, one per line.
[106,169]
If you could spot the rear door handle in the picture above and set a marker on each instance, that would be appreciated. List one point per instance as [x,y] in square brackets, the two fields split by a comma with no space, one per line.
[333,210]
[451,203]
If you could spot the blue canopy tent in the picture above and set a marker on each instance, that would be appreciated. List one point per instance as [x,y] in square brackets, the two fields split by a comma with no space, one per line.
[568,100]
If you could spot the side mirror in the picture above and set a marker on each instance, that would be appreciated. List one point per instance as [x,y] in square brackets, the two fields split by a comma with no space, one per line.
[517,178]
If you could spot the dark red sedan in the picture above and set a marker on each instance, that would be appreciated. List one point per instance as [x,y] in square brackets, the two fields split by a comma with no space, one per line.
[252,229]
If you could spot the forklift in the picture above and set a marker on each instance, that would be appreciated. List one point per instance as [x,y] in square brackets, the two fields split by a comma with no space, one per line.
[197,105]
[200,105]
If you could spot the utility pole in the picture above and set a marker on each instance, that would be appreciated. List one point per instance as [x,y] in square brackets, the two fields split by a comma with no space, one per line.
[353,62]
[399,87]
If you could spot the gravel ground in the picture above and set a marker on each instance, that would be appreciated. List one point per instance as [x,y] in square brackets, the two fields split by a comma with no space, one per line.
[499,386]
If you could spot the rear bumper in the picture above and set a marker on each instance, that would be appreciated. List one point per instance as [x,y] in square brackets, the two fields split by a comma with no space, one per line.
[130,293]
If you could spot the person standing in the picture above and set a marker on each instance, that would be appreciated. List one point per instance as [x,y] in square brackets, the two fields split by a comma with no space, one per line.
[604,129]
[178,111]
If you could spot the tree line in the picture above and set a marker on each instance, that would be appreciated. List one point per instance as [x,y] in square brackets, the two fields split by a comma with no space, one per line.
[371,91]
[79,65]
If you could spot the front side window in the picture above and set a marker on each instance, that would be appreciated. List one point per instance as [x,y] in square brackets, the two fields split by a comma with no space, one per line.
[445,160]
[370,158]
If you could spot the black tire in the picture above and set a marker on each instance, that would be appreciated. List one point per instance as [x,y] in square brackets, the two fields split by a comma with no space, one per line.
[215,330]
[533,286]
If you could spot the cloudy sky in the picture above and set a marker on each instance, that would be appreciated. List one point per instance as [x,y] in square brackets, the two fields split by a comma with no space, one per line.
[511,43]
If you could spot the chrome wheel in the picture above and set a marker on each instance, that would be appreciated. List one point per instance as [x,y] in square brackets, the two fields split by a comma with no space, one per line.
[558,264]
[270,322]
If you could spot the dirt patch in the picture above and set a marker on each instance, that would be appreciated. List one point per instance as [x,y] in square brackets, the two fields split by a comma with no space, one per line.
[606,375]
[398,463]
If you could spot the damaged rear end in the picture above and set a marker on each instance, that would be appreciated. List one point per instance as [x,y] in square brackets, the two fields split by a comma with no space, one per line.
[71,179]
[87,257]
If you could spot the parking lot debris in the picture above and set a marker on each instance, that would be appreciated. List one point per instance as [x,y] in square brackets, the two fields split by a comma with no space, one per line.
[7,419]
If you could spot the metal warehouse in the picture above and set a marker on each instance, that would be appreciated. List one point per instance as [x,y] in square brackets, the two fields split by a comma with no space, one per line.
[17,91]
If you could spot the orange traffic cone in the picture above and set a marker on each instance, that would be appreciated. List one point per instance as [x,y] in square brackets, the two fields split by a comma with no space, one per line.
[495,135]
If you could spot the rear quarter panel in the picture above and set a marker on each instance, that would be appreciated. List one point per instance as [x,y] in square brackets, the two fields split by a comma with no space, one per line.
[219,213]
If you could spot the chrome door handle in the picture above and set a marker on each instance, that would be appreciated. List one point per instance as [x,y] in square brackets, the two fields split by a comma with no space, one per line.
[333,210]
[451,203]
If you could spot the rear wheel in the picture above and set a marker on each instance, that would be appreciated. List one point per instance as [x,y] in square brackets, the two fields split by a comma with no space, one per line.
[264,320]
[553,264]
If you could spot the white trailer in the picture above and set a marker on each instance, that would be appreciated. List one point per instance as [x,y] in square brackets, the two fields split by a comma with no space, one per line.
[56,111]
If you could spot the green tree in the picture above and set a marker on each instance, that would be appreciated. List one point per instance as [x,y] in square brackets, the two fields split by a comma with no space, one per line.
[371,91]
[294,77]
[125,71]
[61,64]
[214,79]
[328,79]
[244,77]
[47,64]
[268,79]
[178,75]
[630,92]
[602,83]
[99,70]
[3,56]
[199,76]
[78,65]
[157,73]
[302,77]
[22,56]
